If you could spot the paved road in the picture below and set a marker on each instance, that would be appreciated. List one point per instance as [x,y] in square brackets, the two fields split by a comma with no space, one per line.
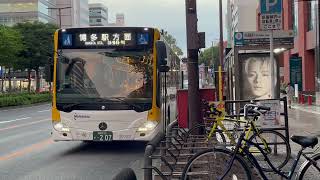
[28,153]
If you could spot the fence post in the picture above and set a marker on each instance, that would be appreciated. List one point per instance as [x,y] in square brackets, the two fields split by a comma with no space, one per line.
[286,118]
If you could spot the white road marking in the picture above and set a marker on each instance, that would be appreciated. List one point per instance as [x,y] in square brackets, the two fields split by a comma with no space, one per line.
[44,110]
[19,119]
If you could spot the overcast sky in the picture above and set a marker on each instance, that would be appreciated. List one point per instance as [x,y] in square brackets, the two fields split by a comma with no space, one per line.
[168,15]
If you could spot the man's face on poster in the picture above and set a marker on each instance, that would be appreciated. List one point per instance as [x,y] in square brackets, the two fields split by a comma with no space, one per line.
[257,72]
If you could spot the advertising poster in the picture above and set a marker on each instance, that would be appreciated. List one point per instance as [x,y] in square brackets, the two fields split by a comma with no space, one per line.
[256,76]
[271,118]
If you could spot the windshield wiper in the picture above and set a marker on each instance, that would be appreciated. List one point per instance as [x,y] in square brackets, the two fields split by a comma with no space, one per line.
[135,107]
[69,107]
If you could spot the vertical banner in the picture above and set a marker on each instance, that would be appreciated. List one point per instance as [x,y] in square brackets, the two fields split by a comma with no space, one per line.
[255,76]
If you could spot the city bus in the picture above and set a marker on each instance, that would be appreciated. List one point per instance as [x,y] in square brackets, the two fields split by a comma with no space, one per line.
[112,84]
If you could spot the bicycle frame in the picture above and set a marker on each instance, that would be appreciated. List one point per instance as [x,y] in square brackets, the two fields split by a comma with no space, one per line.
[253,160]
[252,128]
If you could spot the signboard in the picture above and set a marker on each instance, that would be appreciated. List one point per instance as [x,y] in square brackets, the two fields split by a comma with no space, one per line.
[86,38]
[256,38]
[296,71]
[270,6]
[271,15]
[272,117]
[271,22]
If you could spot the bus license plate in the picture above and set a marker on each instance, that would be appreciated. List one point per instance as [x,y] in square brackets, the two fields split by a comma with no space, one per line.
[102,136]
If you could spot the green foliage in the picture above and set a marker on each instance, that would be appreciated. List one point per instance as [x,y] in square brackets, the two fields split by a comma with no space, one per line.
[23,99]
[209,56]
[172,43]
[38,40]
[10,46]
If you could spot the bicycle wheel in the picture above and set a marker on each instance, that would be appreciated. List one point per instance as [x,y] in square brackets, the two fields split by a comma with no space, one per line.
[211,164]
[202,129]
[308,171]
[278,149]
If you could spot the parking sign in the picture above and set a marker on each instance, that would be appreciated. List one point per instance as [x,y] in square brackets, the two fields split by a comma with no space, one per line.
[271,15]
[270,6]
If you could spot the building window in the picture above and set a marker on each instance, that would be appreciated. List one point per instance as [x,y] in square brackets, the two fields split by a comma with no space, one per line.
[98,20]
[295,16]
[312,15]
[43,8]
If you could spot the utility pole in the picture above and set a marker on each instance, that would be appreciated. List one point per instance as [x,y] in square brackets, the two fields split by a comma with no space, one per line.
[195,41]
[59,9]
[220,86]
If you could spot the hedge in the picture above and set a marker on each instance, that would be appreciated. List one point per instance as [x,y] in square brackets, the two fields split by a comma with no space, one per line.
[23,99]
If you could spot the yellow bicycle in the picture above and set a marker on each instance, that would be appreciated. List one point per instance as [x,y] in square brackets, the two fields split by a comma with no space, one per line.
[274,144]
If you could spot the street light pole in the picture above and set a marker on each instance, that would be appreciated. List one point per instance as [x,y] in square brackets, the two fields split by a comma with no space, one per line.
[59,9]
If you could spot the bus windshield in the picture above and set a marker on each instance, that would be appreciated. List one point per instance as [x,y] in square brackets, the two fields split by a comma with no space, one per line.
[88,75]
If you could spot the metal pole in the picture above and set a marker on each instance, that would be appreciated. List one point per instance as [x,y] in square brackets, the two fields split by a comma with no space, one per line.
[272,88]
[60,17]
[221,32]
[221,53]
[318,30]
[193,69]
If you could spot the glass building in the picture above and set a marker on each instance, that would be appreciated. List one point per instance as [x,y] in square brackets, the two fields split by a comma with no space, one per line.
[16,11]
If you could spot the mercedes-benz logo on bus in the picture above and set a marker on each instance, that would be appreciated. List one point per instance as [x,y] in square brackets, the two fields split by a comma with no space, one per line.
[103,126]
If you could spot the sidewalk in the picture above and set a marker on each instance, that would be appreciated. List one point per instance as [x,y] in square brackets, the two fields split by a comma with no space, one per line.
[307,108]
[303,120]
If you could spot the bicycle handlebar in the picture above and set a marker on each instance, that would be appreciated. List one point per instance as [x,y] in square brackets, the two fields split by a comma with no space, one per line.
[264,108]
[253,108]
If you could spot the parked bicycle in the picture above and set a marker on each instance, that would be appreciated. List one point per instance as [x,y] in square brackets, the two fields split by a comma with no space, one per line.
[273,143]
[222,163]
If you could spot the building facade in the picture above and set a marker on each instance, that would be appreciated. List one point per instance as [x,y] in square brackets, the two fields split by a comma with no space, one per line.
[241,16]
[120,20]
[16,11]
[75,16]
[301,64]
[98,14]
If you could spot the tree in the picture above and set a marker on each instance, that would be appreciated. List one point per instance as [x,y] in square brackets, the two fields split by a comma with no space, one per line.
[10,47]
[172,43]
[209,56]
[38,39]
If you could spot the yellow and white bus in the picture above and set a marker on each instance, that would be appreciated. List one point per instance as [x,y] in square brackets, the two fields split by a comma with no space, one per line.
[110,84]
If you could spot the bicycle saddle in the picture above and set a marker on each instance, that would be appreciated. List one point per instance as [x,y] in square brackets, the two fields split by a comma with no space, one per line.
[305,141]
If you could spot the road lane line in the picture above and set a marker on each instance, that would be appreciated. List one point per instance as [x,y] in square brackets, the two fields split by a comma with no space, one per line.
[27,150]
[22,125]
[19,119]
[44,110]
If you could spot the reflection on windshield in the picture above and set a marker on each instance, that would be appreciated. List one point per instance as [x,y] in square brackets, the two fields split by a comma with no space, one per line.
[104,75]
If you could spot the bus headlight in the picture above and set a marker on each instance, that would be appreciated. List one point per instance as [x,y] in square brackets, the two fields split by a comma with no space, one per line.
[148,126]
[61,127]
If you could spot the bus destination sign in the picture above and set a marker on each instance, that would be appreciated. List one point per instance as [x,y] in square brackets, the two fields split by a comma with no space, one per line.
[106,39]
[102,39]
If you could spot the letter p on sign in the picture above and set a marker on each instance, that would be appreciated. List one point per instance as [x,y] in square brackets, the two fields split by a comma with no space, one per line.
[270,3]
[271,6]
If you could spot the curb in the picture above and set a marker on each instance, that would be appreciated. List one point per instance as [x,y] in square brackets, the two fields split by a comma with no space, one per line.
[23,106]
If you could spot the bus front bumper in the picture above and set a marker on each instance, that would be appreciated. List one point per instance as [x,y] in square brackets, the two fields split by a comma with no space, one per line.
[121,135]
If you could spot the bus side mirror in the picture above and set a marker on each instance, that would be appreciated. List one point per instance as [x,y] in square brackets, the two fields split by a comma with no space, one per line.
[161,56]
